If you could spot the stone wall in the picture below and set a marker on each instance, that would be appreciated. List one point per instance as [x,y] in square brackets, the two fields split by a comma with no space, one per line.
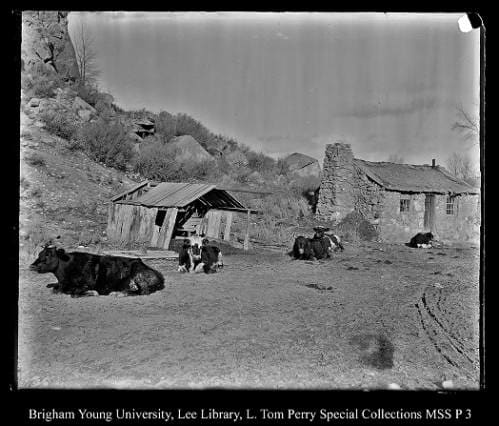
[369,197]
[463,225]
[337,190]
[397,226]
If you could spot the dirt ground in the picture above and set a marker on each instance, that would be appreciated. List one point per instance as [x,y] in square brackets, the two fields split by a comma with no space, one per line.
[375,314]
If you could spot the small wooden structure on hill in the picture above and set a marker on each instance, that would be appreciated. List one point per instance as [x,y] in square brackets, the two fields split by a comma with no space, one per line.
[154,213]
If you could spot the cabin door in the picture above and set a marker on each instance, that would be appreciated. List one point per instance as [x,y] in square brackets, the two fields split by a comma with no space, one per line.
[429,213]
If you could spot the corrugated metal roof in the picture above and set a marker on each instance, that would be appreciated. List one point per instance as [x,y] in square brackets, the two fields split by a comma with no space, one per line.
[172,194]
[132,189]
[414,178]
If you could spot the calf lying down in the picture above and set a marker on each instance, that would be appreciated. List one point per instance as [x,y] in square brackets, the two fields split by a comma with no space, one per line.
[80,274]
[206,259]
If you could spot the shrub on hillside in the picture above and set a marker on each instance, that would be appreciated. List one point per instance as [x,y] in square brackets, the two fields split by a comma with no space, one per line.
[206,170]
[156,161]
[88,93]
[165,126]
[281,167]
[104,109]
[186,125]
[59,123]
[260,162]
[107,142]
[40,82]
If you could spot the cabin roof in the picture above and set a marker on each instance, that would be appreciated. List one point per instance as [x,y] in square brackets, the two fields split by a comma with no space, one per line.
[414,178]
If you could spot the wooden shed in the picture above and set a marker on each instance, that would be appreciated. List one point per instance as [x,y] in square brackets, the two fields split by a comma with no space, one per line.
[153,213]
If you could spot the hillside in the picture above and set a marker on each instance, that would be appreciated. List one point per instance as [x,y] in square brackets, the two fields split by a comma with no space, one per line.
[78,148]
[62,192]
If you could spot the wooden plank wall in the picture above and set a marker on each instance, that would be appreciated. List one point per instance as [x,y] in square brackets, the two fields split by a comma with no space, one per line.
[165,234]
[128,223]
[213,227]
[212,224]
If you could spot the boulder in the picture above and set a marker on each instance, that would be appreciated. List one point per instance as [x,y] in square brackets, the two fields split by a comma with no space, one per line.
[84,114]
[188,149]
[79,104]
[303,165]
[135,137]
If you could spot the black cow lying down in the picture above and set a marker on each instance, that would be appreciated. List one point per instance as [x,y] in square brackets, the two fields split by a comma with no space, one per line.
[81,274]
[421,240]
[320,246]
[302,248]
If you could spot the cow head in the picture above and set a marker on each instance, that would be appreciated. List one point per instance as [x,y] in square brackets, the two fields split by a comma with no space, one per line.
[48,259]
[429,236]
[300,244]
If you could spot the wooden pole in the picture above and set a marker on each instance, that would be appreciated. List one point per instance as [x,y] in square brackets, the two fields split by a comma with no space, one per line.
[246,237]
[228,223]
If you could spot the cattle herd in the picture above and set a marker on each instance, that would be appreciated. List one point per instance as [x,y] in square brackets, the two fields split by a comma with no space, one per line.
[85,274]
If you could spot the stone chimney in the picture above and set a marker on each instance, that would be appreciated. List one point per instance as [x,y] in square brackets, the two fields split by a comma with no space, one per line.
[336,193]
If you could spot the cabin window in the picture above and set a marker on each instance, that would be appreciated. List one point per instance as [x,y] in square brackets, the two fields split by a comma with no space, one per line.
[450,205]
[405,203]
[160,218]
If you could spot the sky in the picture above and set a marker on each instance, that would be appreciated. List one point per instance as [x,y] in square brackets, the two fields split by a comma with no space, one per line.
[293,82]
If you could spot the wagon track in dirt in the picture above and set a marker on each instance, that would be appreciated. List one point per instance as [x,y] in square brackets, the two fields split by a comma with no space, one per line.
[433,321]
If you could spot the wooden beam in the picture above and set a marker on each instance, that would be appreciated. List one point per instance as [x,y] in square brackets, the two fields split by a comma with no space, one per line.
[228,223]
[165,234]
[235,209]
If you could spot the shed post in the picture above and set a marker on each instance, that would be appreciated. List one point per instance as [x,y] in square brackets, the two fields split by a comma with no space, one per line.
[228,223]
[246,237]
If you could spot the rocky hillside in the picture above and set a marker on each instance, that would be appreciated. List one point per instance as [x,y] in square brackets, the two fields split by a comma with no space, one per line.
[62,192]
[78,148]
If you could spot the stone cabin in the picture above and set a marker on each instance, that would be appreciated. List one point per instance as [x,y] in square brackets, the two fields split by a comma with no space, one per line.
[398,199]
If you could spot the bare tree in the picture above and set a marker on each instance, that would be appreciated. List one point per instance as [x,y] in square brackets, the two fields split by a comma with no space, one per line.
[394,158]
[460,166]
[467,125]
[86,56]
